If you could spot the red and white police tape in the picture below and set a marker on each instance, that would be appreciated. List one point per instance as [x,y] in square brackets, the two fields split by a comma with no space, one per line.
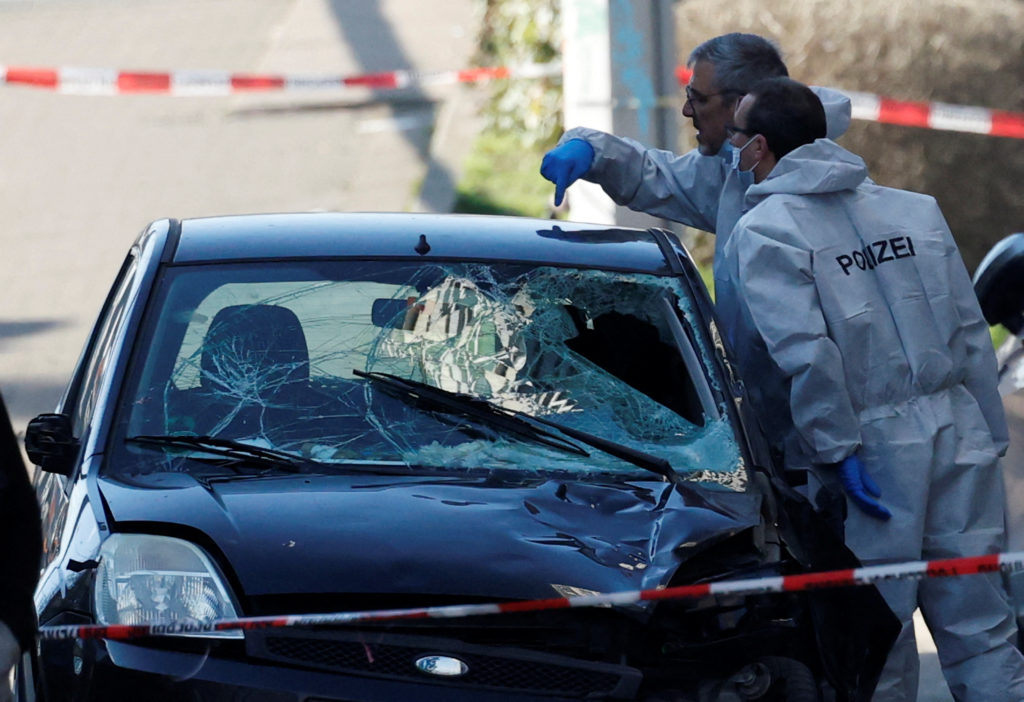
[972,565]
[104,81]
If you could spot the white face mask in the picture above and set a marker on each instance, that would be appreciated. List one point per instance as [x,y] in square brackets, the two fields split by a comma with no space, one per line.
[736,157]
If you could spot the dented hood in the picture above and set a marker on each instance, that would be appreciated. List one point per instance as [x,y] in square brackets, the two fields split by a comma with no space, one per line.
[435,536]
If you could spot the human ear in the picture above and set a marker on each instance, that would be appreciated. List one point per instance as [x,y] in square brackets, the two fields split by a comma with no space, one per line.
[760,146]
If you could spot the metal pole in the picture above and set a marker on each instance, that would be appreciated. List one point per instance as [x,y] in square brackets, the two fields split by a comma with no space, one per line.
[618,62]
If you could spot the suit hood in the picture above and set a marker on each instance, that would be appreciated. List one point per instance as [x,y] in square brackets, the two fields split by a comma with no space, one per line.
[818,168]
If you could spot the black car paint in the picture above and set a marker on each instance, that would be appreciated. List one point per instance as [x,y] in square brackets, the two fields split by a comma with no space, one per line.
[366,533]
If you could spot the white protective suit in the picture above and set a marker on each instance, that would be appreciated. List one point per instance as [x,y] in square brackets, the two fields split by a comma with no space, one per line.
[853,310]
[699,191]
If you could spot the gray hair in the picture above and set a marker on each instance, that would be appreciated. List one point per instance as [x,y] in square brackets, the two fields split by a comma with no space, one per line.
[740,61]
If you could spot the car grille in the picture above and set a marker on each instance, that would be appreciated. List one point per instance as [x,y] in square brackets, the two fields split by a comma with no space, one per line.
[394,657]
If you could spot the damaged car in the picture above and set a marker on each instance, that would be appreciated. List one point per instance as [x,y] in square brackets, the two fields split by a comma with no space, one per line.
[319,413]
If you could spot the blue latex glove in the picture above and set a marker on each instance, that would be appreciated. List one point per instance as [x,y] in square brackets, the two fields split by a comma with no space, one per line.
[860,488]
[564,165]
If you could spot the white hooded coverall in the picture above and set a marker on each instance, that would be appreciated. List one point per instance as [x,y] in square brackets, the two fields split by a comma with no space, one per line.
[852,309]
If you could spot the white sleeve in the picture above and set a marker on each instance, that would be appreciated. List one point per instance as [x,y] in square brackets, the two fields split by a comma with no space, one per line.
[838,110]
[660,183]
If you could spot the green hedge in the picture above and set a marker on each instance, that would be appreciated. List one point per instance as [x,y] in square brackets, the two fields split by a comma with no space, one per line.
[523,118]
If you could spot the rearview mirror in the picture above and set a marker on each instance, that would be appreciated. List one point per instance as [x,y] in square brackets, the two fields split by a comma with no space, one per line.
[388,312]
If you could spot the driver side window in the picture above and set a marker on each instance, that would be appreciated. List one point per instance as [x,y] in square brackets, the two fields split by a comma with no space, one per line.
[101,346]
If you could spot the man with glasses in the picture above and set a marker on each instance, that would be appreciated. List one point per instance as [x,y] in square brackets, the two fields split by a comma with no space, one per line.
[698,189]
[875,373]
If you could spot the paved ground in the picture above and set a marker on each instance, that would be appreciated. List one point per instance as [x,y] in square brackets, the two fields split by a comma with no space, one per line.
[933,686]
[80,176]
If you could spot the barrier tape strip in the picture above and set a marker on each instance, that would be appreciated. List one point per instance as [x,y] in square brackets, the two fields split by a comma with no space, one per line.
[103,81]
[972,565]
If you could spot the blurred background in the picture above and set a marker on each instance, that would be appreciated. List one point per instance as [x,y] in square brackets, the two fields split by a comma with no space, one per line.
[963,52]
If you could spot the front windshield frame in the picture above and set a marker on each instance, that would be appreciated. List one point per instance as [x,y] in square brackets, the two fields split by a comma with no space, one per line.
[399,273]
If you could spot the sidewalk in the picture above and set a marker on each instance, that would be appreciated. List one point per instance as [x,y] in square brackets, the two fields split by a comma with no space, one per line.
[933,685]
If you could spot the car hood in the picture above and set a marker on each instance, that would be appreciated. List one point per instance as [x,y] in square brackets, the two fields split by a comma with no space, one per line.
[389,535]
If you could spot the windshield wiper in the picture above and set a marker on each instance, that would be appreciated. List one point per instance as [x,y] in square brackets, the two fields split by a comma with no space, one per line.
[518,423]
[227,448]
[413,391]
[641,459]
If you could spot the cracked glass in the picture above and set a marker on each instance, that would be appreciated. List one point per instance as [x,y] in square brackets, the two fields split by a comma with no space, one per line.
[275,355]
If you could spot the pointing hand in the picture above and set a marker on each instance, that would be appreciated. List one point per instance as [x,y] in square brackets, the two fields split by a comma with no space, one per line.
[564,165]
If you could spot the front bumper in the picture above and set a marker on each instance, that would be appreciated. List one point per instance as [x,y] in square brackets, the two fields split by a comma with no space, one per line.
[315,666]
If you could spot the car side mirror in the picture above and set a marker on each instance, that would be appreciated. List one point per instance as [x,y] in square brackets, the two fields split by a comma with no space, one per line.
[50,444]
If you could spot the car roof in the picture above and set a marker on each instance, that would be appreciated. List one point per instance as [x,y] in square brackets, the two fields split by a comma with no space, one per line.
[403,235]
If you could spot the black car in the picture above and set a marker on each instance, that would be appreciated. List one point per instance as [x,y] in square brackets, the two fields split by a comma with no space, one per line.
[321,413]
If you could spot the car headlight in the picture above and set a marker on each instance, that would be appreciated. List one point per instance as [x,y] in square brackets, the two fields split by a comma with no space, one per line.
[144,579]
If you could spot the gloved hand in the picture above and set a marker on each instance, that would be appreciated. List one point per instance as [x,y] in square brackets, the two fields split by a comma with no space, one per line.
[564,165]
[860,488]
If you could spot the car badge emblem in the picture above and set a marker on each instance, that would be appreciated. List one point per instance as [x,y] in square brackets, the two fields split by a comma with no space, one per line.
[444,666]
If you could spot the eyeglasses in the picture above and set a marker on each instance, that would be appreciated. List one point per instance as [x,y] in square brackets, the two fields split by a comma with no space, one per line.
[732,130]
[701,99]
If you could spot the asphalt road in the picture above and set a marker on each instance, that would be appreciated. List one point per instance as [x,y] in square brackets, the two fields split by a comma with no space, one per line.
[80,176]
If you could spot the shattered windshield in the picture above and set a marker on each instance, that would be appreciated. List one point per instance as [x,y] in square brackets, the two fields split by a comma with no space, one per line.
[278,356]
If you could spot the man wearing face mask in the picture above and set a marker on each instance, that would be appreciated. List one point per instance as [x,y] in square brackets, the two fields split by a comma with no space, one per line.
[875,373]
[698,189]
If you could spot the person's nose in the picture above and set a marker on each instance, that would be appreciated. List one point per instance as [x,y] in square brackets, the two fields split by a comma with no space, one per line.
[687,109]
